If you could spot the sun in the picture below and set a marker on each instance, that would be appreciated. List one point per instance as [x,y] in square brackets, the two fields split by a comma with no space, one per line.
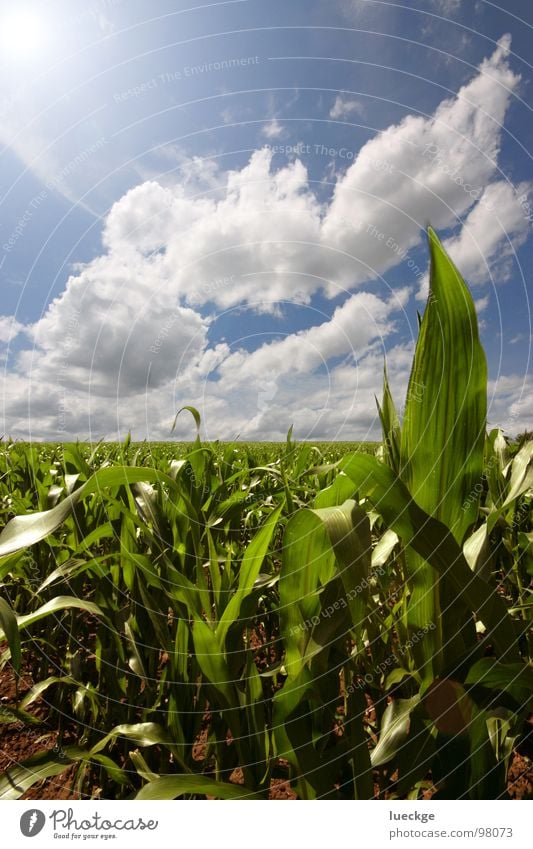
[22,34]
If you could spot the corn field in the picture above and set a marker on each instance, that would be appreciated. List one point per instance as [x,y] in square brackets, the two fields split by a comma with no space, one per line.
[212,618]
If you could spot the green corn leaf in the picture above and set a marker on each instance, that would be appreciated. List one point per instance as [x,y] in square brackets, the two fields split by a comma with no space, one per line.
[255,714]
[23,531]
[384,548]
[128,550]
[496,458]
[135,661]
[38,689]
[64,573]
[308,564]
[194,413]
[292,730]
[443,433]
[348,529]
[172,786]
[249,570]
[17,779]
[319,545]
[394,732]
[357,739]
[56,605]
[521,480]
[436,545]
[9,564]
[520,473]
[486,774]
[390,425]
[513,678]
[477,551]
[10,628]
[212,662]
[10,714]
[113,770]
[340,490]
[141,733]
[142,767]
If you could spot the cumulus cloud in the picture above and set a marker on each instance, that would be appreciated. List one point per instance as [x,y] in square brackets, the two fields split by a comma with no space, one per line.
[362,319]
[403,178]
[9,328]
[511,403]
[269,233]
[129,339]
[493,230]
[333,403]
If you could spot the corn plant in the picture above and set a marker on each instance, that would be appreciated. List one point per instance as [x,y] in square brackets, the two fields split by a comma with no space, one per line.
[461,675]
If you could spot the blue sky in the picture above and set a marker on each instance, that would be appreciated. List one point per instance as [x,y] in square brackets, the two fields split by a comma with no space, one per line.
[224,205]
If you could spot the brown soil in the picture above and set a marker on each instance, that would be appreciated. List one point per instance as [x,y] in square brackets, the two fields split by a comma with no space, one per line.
[18,742]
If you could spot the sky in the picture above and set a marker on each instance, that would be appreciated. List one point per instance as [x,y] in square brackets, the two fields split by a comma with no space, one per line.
[224,205]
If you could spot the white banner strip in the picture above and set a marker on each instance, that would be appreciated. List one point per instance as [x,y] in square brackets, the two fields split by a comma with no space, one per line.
[373,824]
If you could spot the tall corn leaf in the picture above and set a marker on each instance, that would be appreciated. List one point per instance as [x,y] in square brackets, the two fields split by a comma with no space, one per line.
[318,546]
[442,444]
[348,529]
[213,664]
[390,425]
[443,432]
[249,570]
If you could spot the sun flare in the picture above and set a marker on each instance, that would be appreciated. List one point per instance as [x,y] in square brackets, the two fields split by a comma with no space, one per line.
[22,34]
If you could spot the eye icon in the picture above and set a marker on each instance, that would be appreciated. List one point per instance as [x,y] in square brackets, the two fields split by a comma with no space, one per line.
[32,822]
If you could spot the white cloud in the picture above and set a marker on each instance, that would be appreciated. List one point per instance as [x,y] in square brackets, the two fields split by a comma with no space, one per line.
[511,403]
[492,231]
[403,178]
[336,402]
[446,6]
[122,385]
[273,130]
[496,227]
[481,304]
[9,328]
[361,320]
[117,330]
[268,232]
[344,107]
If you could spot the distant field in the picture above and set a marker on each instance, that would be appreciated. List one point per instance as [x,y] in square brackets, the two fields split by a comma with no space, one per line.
[258,453]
